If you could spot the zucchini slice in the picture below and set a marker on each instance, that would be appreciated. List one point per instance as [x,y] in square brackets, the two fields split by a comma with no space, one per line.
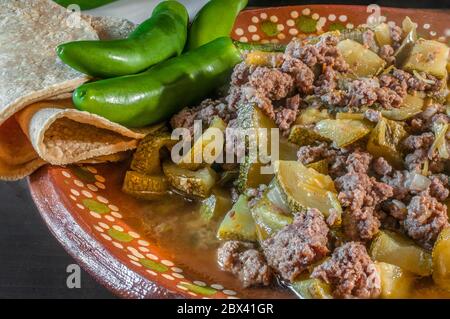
[362,61]
[238,223]
[396,249]
[145,186]
[216,205]
[197,183]
[304,188]
[428,56]
[343,132]
[311,288]
[304,135]
[396,283]
[441,260]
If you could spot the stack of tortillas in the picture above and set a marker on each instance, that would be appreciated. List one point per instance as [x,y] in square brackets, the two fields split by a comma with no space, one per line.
[38,123]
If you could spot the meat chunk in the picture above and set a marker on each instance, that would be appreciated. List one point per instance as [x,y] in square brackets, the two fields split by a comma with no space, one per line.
[362,92]
[438,187]
[425,219]
[302,74]
[245,262]
[299,245]
[381,166]
[312,153]
[387,53]
[350,272]
[271,82]
[286,115]
[373,115]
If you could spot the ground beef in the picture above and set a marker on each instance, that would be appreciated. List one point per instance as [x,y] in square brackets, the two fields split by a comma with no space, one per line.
[424,120]
[415,161]
[422,141]
[205,112]
[286,116]
[373,115]
[425,219]
[395,208]
[362,92]
[381,166]
[271,82]
[412,83]
[350,272]
[241,73]
[393,83]
[308,154]
[322,52]
[438,187]
[302,74]
[245,262]
[387,53]
[299,245]
[369,40]
[360,194]
[396,35]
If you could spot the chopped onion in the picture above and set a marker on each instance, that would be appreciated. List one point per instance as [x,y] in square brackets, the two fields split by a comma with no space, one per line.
[421,78]
[275,196]
[417,182]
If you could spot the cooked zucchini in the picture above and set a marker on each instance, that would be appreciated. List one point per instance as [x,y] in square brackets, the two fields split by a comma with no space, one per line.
[147,158]
[198,183]
[362,61]
[312,115]
[396,283]
[412,105]
[238,223]
[396,249]
[250,175]
[343,132]
[304,135]
[384,141]
[304,188]
[428,56]
[320,166]
[441,260]
[262,58]
[383,34]
[404,51]
[145,186]
[311,288]
[350,116]
[269,218]
[207,148]
[216,205]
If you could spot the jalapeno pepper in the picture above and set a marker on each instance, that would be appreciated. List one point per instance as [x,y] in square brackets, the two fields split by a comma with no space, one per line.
[156,94]
[216,19]
[84,4]
[155,40]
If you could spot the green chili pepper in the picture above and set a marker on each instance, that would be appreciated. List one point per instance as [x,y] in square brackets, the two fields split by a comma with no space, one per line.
[155,40]
[158,93]
[216,19]
[84,4]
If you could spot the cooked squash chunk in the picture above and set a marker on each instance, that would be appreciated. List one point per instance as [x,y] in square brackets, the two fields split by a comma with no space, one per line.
[147,159]
[269,219]
[428,56]
[250,175]
[383,34]
[396,249]
[262,58]
[384,141]
[216,205]
[311,115]
[145,186]
[396,283]
[238,223]
[320,166]
[197,183]
[343,132]
[304,188]
[441,260]
[412,105]
[362,61]
[311,288]
[304,135]
[196,157]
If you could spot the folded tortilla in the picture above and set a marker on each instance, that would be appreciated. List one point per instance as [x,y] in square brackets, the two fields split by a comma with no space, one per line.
[38,123]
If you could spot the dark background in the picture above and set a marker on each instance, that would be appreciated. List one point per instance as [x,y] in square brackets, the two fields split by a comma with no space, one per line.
[32,263]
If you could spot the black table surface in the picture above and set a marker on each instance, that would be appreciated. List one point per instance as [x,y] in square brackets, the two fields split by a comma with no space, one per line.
[32,262]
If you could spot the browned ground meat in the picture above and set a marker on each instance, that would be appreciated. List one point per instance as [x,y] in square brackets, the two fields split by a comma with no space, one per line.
[414,142]
[205,112]
[299,245]
[381,166]
[360,194]
[369,40]
[425,219]
[362,92]
[396,35]
[424,120]
[245,262]
[271,82]
[438,187]
[413,83]
[373,115]
[322,52]
[350,272]
[302,74]
[387,53]
[312,153]
[286,116]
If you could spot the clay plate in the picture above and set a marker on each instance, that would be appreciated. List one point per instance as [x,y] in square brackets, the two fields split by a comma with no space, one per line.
[85,209]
